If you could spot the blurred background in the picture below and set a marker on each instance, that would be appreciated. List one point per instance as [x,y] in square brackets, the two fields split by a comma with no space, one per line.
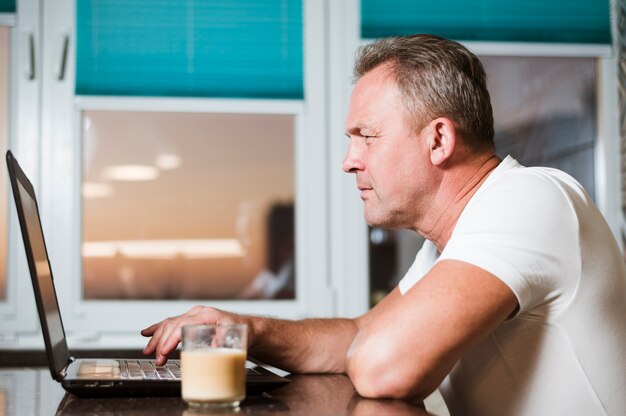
[190,152]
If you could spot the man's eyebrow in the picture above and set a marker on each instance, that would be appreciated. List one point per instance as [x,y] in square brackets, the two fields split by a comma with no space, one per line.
[354,130]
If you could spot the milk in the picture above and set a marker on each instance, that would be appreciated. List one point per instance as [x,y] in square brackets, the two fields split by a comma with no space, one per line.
[213,375]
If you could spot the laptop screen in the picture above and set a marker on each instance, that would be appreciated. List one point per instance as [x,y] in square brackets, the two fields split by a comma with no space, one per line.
[42,267]
[39,266]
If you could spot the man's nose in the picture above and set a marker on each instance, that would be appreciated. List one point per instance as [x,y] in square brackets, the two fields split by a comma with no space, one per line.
[353,161]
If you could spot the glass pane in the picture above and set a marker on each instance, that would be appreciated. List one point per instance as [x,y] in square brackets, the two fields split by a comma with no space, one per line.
[209,48]
[555,21]
[391,253]
[4,142]
[188,206]
[545,114]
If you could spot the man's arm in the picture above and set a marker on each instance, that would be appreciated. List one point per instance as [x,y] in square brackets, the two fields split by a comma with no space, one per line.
[306,346]
[310,345]
[407,346]
[403,347]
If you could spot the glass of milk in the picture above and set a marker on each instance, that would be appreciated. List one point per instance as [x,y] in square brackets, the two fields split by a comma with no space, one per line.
[213,365]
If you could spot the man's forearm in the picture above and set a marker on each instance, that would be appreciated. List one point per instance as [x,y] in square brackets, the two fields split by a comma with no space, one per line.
[306,346]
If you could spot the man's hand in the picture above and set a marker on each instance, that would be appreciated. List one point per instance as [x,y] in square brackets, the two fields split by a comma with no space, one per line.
[167,334]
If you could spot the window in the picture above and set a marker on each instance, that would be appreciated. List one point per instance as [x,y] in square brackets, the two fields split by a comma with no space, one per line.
[545,115]
[217,176]
[187,206]
[391,253]
[545,112]
[545,73]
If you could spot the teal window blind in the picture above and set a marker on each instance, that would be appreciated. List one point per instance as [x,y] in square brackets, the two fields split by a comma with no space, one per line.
[7,6]
[555,21]
[193,48]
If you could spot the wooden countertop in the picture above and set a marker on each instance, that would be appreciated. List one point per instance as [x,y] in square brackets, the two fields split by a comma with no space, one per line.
[32,391]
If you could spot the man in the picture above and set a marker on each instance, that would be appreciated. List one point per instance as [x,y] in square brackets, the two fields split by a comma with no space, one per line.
[518,297]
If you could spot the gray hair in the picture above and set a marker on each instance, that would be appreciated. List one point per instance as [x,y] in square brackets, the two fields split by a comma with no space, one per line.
[437,78]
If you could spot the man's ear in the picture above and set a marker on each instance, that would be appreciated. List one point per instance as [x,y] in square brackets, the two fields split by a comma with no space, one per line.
[441,140]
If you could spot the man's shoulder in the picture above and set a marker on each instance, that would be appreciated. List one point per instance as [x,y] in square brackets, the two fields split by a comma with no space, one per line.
[526,197]
[544,184]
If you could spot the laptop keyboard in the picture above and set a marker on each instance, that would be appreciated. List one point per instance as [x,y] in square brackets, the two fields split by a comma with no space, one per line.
[148,370]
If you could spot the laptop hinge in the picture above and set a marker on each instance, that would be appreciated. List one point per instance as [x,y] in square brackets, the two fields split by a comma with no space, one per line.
[63,372]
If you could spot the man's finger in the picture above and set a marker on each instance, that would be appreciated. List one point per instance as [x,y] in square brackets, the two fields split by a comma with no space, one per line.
[150,330]
[168,329]
[150,348]
[173,339]
[160,359]
[162,349]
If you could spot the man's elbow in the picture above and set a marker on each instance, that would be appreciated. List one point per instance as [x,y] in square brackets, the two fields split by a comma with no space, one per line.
[380,377]
[384,386]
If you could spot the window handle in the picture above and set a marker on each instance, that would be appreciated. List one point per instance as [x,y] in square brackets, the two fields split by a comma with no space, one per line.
[29,55]
[59,66]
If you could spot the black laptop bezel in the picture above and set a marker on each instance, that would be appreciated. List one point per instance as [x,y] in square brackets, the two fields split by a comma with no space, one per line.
[58,355]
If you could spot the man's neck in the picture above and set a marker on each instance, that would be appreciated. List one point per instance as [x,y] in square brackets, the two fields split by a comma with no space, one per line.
[458,186]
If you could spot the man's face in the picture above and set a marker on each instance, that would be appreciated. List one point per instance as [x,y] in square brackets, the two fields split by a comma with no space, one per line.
[389,158]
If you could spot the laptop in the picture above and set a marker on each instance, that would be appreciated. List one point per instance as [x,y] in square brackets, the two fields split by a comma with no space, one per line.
[95,377]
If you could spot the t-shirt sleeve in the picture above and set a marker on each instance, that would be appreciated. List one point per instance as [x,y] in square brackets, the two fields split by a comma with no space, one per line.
[523,230]
[424,260]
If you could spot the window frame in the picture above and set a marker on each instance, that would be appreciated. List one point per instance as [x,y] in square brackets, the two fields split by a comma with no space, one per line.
[100,309]
[7,19]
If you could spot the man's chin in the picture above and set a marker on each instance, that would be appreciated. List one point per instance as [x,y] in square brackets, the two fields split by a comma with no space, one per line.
[371,220]
[378,220]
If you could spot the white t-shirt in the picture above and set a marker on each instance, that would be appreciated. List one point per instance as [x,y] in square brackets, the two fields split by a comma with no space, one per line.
[564,352]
